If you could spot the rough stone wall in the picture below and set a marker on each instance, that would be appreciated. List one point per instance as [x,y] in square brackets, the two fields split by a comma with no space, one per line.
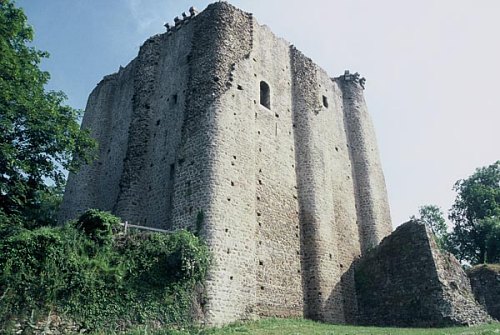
[273,190]
[485,282]
[371,194]
[407,281]
[107,115]
[330,238]
[229,223]
[277,283]
[136,172]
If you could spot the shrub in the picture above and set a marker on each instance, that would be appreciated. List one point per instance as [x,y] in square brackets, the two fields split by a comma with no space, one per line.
[98,278]
[98,225]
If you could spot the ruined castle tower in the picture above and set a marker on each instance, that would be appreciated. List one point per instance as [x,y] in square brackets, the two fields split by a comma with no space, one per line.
[220,126]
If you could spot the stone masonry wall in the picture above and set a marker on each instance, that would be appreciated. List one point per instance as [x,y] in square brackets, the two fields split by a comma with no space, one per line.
[280,193]
[278,281]
[370,190]
[485,282]
[229,224]
[407,281]
[107,115]
[134,181]
[326,195]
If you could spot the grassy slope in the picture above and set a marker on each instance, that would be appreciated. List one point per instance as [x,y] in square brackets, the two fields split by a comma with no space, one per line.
[298,326]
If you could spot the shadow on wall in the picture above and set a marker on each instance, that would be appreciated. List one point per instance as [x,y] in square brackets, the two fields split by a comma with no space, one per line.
[344,294]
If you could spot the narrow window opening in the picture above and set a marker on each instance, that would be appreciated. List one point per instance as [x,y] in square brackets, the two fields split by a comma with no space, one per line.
[174,98]
[172,171]
[325,101]
[265,97]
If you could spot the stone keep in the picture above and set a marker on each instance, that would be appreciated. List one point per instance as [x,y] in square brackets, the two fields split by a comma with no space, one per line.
[222,127]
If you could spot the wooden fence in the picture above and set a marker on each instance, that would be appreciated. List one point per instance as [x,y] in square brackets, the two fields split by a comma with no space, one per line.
[127,225]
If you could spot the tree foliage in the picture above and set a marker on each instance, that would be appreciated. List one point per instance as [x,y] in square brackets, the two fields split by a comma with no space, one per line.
[40,135]
[476,216]
[432,217]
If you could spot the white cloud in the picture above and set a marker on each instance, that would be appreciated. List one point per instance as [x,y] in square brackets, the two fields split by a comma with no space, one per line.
[146,14]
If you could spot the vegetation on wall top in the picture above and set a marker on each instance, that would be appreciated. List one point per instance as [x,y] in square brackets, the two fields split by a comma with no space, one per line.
[98,277]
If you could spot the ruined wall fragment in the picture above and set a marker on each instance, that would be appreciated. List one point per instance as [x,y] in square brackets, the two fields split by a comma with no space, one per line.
[485,282]
[407,281]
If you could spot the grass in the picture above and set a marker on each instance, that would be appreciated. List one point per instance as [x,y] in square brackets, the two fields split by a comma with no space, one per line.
[303,327]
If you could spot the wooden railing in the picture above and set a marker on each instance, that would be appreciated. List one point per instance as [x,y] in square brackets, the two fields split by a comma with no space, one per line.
[127,225]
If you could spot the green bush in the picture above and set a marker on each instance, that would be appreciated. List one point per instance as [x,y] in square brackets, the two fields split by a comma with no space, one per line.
[98,225]
[99,278]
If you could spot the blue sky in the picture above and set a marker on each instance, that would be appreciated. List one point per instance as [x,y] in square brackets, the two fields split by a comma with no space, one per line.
[432,69]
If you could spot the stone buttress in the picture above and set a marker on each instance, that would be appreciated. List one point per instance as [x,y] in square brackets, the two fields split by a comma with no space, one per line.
[371,193]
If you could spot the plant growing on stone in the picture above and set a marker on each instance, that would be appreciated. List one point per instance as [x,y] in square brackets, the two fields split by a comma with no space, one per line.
[98,225]
[91,274]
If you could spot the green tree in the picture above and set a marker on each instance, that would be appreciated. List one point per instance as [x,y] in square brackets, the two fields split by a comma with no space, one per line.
[41,136]
[476,216]
[432,217]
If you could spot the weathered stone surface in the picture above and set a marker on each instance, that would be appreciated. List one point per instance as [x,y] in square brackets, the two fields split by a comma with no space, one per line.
[287,195]
[407,281]
[53,324]
[485,282]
